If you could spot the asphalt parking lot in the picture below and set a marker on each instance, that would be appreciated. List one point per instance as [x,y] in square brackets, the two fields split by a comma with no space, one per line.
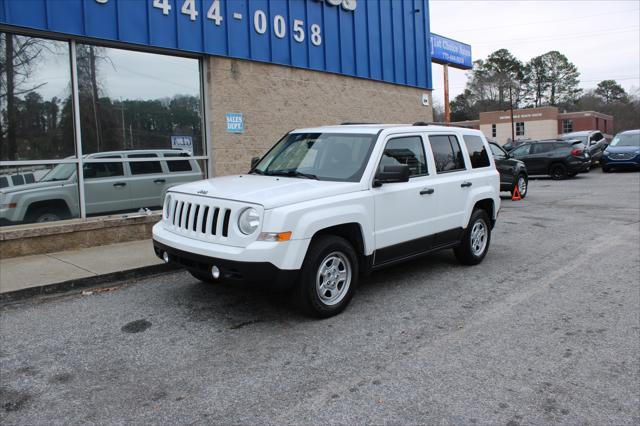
[545,330]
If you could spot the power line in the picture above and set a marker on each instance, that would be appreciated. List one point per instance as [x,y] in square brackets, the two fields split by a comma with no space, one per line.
[560,37]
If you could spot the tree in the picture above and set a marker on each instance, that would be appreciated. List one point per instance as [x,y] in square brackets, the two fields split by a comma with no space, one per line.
[562,78]
[537,81]
[610,91]
[464,107]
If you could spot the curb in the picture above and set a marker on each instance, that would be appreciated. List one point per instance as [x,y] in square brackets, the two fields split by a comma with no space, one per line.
[85,282]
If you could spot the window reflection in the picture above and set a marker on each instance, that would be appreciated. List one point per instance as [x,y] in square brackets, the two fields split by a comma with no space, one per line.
[36,120]
[134,100]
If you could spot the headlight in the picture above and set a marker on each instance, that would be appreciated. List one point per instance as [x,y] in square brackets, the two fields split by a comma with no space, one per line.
[249,221]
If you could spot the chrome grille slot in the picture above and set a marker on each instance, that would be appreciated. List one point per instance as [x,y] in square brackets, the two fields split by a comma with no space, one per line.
[206,219]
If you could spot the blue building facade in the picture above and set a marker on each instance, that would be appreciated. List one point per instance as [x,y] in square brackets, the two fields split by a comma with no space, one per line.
[386,40]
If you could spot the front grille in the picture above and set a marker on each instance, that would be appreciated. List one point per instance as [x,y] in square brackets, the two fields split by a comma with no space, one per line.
[197,217]
[622,155]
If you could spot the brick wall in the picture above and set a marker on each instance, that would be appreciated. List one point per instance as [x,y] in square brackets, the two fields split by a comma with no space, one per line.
[276,99]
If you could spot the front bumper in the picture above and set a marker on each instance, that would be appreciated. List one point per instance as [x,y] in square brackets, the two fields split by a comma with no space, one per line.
[626,163]
[230,270]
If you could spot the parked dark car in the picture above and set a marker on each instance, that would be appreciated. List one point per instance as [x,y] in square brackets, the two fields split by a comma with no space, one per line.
[556,158]
[511,145]
[592,139]
[512,172]
[623,152]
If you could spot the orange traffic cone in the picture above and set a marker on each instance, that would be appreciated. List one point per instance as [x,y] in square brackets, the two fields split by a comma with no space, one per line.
[516,194]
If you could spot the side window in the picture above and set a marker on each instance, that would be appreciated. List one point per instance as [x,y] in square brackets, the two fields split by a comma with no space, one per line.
[446,153]
[597,136]
[178,166]
[406,150]
[17,180]
[102,170]
[541,148]
[144,167]
[521,151]
[477,151]
[4,182]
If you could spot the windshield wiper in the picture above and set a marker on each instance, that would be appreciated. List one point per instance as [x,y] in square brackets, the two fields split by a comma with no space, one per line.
[292,173]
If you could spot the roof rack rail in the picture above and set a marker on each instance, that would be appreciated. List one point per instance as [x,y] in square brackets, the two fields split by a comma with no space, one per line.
[435,123]
[354,123]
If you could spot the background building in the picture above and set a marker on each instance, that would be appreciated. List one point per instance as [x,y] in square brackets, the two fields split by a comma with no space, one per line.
[538,123]
[84,83]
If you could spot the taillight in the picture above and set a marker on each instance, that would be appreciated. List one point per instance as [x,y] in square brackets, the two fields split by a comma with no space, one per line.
[576,151]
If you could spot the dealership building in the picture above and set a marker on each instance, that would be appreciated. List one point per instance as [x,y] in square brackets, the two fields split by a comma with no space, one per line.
[124,90]
[538,123]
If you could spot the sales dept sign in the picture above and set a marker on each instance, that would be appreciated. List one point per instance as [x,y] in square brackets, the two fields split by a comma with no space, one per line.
[235,122]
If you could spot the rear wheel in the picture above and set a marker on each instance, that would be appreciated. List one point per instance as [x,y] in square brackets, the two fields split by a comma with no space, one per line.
[558,171]
[572,174]
[475,240]
[328,278]
[522,183]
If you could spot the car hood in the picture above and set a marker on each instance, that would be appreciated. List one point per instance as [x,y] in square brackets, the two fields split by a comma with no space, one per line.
[623,149]
[31,187]
[268,191]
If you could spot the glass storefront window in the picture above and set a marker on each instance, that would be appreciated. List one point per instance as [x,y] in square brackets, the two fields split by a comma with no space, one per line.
[38,193]
[36,114]
[133,100]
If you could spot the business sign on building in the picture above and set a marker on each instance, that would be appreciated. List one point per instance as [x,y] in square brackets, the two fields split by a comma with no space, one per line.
[235,122]
[375,39]
[450,52]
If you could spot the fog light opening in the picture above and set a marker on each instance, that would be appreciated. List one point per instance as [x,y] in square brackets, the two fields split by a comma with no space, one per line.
[165,257]
[215,272]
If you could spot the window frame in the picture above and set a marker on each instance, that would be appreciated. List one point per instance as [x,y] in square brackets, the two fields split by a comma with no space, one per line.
[567,125]
[520,124]
[78,158]
[494,130]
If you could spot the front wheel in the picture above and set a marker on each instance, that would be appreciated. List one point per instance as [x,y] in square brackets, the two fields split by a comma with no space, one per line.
[328,278]
[523,185]
[475,240]
[606,169]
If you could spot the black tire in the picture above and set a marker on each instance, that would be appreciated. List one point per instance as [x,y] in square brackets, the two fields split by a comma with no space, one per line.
[318,256]
[606,169]
[44,215]
[558,171]
[516,183]
[571,175]
[206,278]
[464,252]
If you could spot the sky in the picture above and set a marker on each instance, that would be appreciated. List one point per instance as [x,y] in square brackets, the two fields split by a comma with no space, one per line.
[602,38]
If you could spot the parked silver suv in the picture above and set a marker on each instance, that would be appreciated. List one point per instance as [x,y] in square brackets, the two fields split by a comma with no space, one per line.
[110,187]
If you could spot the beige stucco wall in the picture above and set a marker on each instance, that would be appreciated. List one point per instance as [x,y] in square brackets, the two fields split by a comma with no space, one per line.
[275,99]
[542,129]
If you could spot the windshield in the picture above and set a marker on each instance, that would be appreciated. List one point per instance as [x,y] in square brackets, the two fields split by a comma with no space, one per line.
[626,139]
[59,172]
[323,156]
[582,139]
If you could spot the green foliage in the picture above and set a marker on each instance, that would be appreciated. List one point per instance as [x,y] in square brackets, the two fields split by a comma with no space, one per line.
[610,91]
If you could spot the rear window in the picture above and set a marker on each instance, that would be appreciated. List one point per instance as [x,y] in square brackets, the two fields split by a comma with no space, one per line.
[144,167]
[477,151]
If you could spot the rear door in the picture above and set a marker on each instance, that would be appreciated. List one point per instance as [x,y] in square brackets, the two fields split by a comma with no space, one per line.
[451,184]
[522,153]
[540,157]
[105,186]
[405,211]
[181,169]
[504,165]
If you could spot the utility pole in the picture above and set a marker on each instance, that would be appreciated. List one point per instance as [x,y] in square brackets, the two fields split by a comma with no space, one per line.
[513,135]
[447,112]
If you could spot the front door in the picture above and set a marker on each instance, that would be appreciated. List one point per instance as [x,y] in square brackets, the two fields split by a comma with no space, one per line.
[405,211]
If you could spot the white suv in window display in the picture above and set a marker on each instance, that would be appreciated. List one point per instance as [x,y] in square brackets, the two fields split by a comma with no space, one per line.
[326,205]
[110,186]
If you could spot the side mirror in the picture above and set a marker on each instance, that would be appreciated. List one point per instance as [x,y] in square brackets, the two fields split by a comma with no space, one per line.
[392,174]
[254,162]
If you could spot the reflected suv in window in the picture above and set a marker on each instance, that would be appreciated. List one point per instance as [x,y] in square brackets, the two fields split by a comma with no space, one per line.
[116,181]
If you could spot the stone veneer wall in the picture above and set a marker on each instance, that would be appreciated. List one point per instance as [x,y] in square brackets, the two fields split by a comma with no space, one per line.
[276,99]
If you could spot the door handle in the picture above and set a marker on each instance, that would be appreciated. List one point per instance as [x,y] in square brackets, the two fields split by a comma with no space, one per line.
[159,181]
[466,184]
[120,184]
[427,191]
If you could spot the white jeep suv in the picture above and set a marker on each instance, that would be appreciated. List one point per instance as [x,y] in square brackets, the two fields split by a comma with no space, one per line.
[326,205]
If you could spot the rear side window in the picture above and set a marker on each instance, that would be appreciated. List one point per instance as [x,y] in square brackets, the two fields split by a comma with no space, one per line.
[4,182]
[17,180]
[178,166]
[407,150]
[102,170]
[446,153]
[477,151]
[541,148]
[521,151]
[144,167]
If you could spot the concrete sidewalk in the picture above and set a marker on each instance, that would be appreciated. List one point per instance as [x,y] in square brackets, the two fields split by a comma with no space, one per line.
[77,266]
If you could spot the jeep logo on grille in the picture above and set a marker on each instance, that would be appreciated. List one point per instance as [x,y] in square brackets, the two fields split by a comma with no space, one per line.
[203,192]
